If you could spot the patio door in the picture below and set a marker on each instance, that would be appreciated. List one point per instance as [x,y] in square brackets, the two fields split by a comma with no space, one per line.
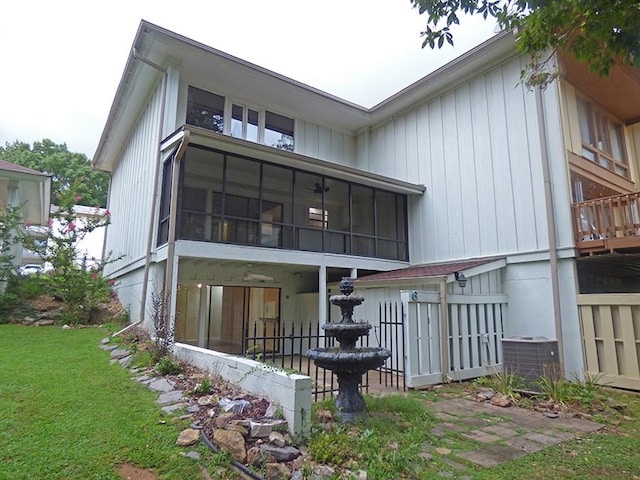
[238,313]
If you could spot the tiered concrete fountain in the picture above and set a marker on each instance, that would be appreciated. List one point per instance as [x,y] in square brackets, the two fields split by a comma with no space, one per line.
[347,361]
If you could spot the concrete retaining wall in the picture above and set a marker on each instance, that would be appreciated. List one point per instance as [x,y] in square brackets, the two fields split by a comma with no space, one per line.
[292,392]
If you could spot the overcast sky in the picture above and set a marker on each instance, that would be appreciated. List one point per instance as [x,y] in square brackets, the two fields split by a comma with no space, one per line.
[62,60]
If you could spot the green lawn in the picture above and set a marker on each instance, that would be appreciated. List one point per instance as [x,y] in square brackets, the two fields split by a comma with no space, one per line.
[67,413]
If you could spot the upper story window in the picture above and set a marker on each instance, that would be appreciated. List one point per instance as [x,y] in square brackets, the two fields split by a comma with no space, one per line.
[602,137]
[205,109]
[209,110]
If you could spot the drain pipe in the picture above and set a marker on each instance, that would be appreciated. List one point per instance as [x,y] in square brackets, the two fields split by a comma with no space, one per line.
[551,225]
[173,211]
[147,260]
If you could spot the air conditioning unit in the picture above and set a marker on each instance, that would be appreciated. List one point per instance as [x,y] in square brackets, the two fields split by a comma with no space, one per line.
[530,357]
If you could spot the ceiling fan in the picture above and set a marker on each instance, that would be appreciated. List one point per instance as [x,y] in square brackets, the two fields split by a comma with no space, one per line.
[250,276]
[318,189]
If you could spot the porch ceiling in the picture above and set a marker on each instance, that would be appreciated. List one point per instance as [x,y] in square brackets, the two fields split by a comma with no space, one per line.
[618,91]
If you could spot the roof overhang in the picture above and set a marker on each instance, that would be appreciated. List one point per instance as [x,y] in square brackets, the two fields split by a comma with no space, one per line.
[226,143]
[431,273]
[618,92]
[232,76]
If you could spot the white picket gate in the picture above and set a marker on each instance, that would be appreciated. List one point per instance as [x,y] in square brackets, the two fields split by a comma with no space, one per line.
[461,342]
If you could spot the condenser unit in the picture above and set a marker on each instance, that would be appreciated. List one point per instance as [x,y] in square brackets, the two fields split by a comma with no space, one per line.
[530,357]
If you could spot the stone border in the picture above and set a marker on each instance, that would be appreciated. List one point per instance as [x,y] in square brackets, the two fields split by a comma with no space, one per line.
[292,392]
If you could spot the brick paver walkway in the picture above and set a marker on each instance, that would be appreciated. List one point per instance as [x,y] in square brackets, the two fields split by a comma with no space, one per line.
[503,434]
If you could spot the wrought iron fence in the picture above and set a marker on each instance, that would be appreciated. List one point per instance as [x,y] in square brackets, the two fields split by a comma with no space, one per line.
[285,347]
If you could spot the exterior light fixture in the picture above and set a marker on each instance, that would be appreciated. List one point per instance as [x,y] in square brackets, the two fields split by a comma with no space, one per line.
[461,279]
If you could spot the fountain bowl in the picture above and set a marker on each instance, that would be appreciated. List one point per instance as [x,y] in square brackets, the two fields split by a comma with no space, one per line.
[357,361]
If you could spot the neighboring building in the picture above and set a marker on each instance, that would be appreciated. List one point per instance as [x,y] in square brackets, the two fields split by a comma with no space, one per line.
[246,195]
[31,191]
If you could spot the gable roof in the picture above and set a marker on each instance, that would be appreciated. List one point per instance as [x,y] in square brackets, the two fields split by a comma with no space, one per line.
[12,167]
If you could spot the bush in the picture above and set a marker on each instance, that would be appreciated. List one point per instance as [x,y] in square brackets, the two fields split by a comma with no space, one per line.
[167,366]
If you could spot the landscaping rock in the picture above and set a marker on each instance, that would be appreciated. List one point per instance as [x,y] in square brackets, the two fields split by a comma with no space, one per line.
[277,471]
[231,443]
[188,437]
[170,397]
[118,353]
[254,456]
[281,454]
[501,400]
[323,471]
[161,385]
[223,419]
[277,439]
[43,323]
[192,455]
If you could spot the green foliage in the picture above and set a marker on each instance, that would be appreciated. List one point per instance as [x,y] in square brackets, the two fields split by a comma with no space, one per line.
[12,232]
[142,359]
[587,391]
[80,284]
[203,387]
[66,169]
[505,382]
[67,413]
[554,385]
[595,31]
[168,366]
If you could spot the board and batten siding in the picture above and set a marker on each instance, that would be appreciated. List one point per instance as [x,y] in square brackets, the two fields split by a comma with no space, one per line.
[324,143]
[131,194]
[476,149]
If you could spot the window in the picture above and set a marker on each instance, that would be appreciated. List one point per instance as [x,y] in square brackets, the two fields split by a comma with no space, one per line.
[318,218]
[234,199]
[205,109]
[278,131]
[244,123]
[602,138]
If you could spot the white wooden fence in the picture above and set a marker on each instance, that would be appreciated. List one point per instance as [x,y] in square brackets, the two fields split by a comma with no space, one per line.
[456,337]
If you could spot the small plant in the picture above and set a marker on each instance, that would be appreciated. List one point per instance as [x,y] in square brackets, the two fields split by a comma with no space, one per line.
[588,390]
[504,382]
[554,385]
[203,387]
[164,336]
[168,366]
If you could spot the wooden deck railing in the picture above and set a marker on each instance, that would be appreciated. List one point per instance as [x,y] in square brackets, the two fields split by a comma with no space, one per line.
[607,224]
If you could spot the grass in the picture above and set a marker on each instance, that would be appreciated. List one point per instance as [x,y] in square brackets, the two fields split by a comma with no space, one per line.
[393,437]
[67,413]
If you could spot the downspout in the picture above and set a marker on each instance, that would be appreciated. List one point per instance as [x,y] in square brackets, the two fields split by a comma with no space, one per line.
[551,225]
[147,260]
[173,213]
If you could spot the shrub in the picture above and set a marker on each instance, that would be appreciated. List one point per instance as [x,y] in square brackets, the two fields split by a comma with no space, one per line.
[203,387]
[167,366]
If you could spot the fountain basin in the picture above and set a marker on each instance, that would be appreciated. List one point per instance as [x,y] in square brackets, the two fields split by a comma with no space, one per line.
[357,361]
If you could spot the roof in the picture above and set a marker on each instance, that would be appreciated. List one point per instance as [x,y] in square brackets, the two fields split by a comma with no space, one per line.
[155,47]
[433,270]
[12,167]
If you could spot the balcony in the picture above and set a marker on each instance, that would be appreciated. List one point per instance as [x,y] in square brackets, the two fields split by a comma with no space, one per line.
[609,224]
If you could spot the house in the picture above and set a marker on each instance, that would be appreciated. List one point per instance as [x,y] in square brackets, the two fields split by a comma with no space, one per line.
[487,210]
[31,191]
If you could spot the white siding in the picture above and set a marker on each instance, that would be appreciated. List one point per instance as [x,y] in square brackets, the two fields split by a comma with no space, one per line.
[476,149]
[130,198]
[324,143]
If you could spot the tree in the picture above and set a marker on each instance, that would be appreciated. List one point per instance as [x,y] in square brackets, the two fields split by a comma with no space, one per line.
[595,31]
[66,169]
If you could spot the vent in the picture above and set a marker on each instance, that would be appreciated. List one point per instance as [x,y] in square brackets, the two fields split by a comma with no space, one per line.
[530,357]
